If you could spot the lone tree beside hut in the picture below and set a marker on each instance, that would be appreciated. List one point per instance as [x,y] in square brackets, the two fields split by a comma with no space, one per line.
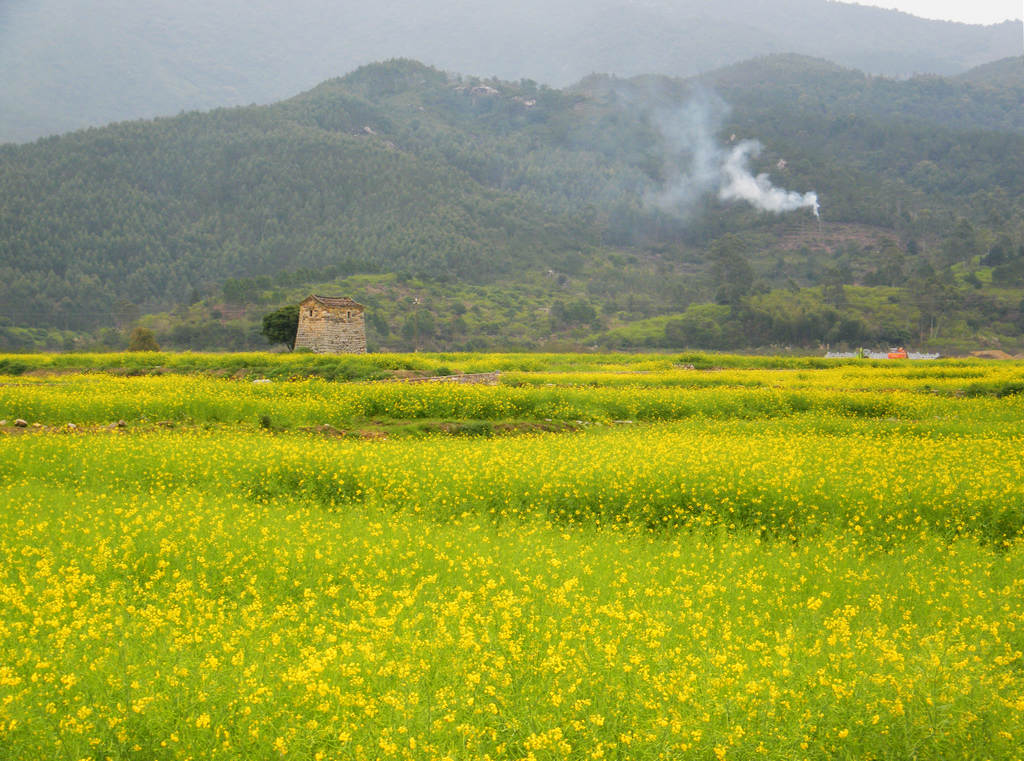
[281,326]
[142,339]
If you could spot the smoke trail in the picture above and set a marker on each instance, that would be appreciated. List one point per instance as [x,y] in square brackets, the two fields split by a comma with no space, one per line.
[697,164]
[693,164]
[740,185]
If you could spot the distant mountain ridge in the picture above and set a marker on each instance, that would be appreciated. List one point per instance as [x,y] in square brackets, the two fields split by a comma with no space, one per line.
[69,65]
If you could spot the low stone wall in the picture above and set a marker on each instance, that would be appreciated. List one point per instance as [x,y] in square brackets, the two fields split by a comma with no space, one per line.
[485,379]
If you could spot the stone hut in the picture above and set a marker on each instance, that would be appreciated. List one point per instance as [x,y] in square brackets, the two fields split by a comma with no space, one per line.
[331,325]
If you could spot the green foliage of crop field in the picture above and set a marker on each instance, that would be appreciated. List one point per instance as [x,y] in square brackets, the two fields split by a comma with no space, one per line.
[798,562]
[371,366]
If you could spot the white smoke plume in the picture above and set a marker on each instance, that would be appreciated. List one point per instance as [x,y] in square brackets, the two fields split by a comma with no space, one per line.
[698,165]
[738,184]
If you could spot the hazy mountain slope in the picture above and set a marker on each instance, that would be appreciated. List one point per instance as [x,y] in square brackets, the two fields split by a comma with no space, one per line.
[400,168]
[68,64]
[1006,72]
[987,98]
[150,212]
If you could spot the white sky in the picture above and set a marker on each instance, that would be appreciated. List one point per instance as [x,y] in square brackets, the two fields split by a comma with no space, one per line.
[967,11]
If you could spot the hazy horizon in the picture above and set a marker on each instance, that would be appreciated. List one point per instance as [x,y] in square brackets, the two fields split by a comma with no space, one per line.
[984,12]
[69,66]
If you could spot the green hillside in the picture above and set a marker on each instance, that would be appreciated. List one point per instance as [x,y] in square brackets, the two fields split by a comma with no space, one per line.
[511,214]
[1006,72]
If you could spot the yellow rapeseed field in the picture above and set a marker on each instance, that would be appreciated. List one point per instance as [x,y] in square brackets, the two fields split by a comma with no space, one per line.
[780,564]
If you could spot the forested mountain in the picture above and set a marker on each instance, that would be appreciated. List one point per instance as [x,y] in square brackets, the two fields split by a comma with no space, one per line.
[1006,72]
[69,64]
[575,213]
[989,97]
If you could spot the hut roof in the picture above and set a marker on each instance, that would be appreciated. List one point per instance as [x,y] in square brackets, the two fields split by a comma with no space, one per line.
[336,302]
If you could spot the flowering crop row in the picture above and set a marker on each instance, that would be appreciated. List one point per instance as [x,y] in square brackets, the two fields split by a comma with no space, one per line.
[796,568]
[756,395]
